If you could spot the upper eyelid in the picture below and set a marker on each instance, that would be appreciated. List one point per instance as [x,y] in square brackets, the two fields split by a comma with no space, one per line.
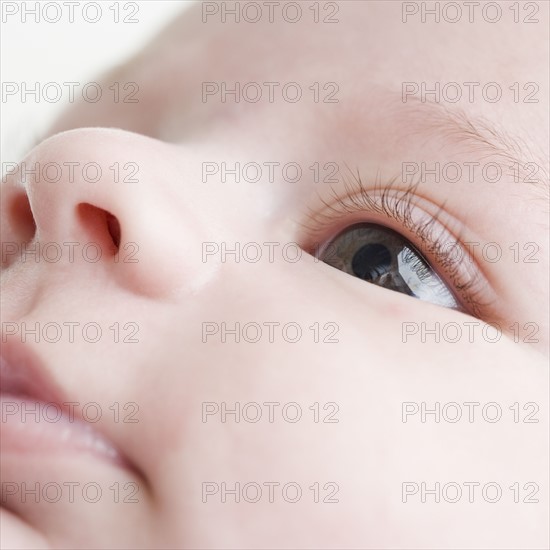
[473,286]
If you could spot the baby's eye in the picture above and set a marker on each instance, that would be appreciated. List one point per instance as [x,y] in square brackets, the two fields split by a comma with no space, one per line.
[381,256]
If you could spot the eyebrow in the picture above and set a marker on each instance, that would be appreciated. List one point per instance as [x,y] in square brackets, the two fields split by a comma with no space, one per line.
[485,140]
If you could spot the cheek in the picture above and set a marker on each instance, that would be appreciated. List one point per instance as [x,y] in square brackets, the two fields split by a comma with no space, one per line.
[351,431]
[202,425]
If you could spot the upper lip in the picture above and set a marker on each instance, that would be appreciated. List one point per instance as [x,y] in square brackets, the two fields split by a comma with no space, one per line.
[21,375]
[24,376]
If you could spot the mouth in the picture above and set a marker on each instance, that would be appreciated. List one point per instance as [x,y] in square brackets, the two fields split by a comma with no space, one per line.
[38,420]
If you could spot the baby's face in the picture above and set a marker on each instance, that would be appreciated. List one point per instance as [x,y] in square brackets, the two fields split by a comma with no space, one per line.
[285,350]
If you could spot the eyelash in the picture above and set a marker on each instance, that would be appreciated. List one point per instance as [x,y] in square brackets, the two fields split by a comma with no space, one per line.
[398,204]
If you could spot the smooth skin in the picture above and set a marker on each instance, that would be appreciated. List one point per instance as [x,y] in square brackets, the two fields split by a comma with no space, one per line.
[173,210]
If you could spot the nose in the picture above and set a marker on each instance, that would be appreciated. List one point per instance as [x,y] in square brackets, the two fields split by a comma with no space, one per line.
[104,197]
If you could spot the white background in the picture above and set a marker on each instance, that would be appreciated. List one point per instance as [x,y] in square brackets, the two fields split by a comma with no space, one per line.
[64,52]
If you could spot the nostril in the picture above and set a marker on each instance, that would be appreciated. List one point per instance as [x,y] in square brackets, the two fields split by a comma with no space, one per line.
[101,226]
[22,219]
[113,226]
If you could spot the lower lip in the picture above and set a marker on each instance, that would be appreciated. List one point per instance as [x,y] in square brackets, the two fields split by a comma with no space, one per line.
[32,426]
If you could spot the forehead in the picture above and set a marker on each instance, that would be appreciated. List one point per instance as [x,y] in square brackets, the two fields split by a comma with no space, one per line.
[381,35]
[366,70]
[478,59]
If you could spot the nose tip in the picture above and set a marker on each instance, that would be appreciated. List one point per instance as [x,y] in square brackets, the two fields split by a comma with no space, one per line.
[90,186]
[67,175]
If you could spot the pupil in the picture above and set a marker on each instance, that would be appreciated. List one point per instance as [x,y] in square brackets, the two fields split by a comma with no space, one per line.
[371,261]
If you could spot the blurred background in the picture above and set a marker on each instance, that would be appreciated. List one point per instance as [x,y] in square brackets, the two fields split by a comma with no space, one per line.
[34,48]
